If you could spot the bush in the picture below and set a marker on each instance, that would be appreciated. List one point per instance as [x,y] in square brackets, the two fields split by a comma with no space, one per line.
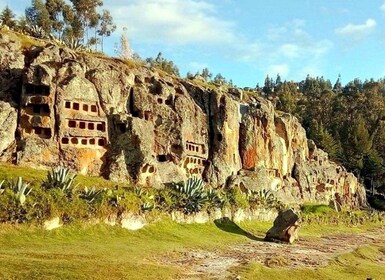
[316,209]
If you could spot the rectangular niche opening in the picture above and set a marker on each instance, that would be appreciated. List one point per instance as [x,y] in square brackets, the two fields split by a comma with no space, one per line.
[101,142]
[82,125]
[29,89]
[94,109]
[75,106]
[74,141]
[67,105]
[45,109]
[92,141]
[47,132]
[162,158]
[91,126]
[37,130]
[65,140]
[84,142]
[85,107]
[36,109]
[122,127]
[100,127]
[72,124]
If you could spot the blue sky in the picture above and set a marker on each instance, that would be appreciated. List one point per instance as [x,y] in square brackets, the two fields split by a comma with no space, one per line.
[245,40]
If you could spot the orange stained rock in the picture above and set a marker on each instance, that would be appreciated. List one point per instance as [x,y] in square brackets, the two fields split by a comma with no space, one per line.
[249,158]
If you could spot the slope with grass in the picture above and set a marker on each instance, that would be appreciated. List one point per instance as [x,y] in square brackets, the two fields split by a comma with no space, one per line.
[166,250]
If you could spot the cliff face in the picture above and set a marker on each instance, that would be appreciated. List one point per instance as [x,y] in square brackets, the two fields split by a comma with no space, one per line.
[103,117]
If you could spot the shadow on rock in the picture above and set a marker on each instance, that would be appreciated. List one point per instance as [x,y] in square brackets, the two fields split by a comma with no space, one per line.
[228,225]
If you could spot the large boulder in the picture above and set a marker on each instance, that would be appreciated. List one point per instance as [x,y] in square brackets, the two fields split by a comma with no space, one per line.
[285,227]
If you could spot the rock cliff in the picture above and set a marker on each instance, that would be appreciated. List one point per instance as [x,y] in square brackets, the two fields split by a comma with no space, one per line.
[126,122]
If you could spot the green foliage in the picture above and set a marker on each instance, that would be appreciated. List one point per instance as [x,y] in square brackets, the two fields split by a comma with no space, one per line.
[91,195]
[238,198]
[60,178]
[309,208]
[21,190]
[191,196]
[161,63]
[7,17]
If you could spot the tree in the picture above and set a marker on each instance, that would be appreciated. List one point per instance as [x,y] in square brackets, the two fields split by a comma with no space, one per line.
[278,82]
[219,79]
[287,97]
[124,50]
[38,15]
[337,86]
[206,74]
[163,64]
[268,87]
[86,13]
[107,27]
[7,17]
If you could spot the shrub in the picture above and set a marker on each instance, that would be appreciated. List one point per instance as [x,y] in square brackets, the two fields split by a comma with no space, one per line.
[237,198]
[308,208]
[190,195]
[60,178]
[20,190]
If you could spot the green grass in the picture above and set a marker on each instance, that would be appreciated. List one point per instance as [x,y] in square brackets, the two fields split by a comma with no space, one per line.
[357,265]
[309,208]
[36,177]
[103,252]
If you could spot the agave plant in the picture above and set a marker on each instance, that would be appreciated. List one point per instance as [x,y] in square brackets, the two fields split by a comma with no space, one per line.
[21,190]
[214,198]
[36,31]
[2,189]
[74,44]
[60,178]
[264,196]
[90,194]
[192,195]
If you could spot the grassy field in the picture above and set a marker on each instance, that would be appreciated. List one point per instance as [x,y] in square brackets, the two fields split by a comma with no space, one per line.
[85,251]
[103,252]
[35,176]
[358,265]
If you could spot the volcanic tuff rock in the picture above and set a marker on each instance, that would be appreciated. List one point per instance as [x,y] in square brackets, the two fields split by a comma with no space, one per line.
[101,116]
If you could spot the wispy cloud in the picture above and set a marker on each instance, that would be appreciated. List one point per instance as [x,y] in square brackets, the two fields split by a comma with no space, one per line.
[290,48]
[382,8]
[357,32]
[179,22]
[281,69]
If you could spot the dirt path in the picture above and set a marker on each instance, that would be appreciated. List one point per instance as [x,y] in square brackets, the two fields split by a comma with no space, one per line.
[309,253]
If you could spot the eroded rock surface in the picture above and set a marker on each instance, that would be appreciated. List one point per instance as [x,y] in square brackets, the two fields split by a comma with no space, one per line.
[101,116]
[285,227]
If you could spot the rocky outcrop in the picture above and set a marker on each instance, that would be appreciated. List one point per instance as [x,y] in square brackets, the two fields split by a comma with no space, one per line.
[285,227]
[101,116]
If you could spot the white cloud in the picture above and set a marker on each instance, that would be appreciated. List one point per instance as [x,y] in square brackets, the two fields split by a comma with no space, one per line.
[382,8]
[195,66]
[357,32]
[290,50]
[173,21]
[281,69]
